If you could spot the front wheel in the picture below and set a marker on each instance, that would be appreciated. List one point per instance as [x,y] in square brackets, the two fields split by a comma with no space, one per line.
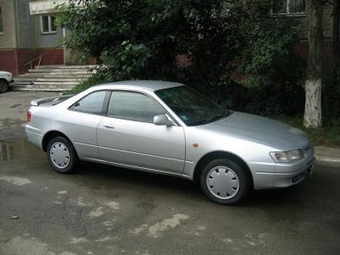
[224,181]
[3,86]
[61,155]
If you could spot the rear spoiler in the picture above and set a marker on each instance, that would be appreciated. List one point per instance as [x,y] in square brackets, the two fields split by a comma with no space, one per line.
[37,102]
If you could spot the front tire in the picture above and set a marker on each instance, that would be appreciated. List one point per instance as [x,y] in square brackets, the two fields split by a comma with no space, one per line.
[61,155]
[224,181]
[3,86]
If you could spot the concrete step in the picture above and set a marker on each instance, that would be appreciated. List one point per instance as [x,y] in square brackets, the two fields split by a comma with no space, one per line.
[52,78]
[56,88]
[40,79]
[46,83]
[23,82]
[57,73]
[47,69]
[65,67]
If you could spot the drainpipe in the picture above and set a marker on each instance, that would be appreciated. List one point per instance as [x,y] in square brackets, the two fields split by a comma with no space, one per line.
[64,46]
[16,36]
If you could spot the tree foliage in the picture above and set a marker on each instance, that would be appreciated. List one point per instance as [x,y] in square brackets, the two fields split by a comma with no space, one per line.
[143,39]
[202,43]
[274,70]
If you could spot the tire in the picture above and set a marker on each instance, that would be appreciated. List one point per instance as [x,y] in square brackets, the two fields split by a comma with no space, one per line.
[61,155]
[224,181]
[3,86]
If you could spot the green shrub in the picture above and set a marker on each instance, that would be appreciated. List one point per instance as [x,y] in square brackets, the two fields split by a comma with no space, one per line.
[331,95]
[87,83]
[275,74]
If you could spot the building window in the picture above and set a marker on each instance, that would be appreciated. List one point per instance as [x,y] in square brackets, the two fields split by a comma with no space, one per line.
[47,25]
[1,23]
[289,7]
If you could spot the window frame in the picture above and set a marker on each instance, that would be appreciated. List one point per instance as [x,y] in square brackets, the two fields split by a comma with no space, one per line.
[1,22]
[287,11]
[51,26]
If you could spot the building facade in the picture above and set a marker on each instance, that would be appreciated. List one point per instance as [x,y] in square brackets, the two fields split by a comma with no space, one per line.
[28,35]
[296,9]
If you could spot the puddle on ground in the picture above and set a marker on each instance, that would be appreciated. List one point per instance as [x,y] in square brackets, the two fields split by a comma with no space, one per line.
[17,149]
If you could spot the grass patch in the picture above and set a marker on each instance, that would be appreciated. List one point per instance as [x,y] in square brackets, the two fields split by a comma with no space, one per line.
[328,135]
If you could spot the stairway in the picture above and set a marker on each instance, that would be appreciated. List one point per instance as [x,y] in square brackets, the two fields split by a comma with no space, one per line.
[51,78]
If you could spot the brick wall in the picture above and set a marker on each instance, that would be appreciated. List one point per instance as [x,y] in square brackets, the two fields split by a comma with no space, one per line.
[15,60]
[49,57]
[8,61]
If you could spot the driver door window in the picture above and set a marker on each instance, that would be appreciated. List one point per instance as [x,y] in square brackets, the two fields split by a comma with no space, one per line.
[133,106]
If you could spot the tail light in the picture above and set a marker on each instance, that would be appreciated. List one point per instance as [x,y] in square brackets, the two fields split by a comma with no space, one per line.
[28,116]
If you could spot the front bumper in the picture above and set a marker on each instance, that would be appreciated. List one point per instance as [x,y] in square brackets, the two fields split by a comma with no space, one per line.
[269,175]
[286,179]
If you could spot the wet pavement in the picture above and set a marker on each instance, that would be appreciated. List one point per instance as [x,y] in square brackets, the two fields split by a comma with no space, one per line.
[103,210]
[14,105]
[106,210]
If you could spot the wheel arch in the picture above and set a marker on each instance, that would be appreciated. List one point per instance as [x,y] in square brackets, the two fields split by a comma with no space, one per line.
[223,155]
[50,135]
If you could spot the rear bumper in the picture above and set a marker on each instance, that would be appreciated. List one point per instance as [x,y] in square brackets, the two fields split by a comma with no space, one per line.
[33,136]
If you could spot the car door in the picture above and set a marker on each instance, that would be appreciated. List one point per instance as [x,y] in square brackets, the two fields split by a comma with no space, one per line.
[128,136]
[81,120]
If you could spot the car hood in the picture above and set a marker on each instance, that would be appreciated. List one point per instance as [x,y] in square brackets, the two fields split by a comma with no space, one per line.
[261,130]
[5,73]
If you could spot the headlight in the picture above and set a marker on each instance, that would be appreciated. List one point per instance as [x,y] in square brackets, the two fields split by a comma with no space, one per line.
[286,156]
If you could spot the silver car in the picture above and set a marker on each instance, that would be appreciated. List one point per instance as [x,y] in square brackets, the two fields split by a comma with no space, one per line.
[169,128]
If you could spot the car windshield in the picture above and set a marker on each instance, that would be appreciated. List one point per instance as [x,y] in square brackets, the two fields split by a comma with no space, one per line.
[191,107]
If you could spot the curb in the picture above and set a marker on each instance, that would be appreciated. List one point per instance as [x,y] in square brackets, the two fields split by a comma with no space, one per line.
[328,161]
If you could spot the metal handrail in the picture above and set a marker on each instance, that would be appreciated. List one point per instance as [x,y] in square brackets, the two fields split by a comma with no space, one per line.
[39,62]
[40,57]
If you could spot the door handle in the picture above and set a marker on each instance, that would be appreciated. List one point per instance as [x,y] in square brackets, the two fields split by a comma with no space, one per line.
[109,126]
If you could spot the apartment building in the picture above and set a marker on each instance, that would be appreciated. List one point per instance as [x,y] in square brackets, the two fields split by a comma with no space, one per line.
[28,35]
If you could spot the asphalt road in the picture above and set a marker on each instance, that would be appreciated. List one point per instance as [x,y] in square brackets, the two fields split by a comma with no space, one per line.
[103,210]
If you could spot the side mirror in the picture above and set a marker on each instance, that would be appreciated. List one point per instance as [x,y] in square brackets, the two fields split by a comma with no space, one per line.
[162,120]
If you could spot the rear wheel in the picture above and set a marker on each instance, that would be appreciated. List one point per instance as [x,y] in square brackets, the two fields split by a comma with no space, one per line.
[3,86]
[61,155]
[224,181]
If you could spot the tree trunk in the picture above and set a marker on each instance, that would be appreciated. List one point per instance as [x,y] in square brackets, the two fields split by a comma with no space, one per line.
[313,85]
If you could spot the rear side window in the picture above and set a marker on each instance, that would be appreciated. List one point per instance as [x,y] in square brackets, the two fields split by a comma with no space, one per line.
[94,103]
[133,106]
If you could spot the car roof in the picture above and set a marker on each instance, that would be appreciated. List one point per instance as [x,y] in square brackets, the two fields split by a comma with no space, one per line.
[151,85]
